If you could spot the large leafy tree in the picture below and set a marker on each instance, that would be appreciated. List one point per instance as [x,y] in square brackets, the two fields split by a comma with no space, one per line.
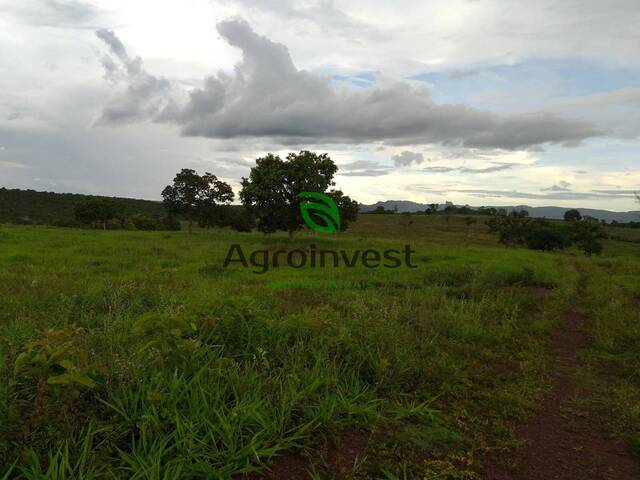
[191,194]
[271,192]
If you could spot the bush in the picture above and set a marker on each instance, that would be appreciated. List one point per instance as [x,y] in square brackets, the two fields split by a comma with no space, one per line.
[546,237]
[143,222]
[540,234]
[170,223]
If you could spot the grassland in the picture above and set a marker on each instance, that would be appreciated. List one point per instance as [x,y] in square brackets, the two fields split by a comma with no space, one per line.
[179,368]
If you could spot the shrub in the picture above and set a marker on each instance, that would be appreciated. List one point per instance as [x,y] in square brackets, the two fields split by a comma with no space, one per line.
[170,222]
[541,236]
[143,222]
[169,341]
[59,366]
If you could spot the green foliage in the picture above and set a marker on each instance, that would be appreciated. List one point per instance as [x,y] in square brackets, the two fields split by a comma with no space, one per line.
[587,236]
[572,215]
[96,212]
[222,216]
[213,374]
[348,208]
[538,234]
[271,193]
[511,229]
[58,209]
[191,193]
[143,222]
[542,235]
[168,340]
[170,222]
[58,359]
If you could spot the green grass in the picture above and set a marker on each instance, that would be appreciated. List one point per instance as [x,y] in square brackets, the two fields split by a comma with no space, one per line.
[207,372]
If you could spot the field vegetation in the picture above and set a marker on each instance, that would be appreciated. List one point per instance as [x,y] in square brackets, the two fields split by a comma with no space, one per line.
[135,354]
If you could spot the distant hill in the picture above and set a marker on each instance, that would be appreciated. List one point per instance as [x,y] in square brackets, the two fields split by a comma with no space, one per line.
[29,206]
[539,212]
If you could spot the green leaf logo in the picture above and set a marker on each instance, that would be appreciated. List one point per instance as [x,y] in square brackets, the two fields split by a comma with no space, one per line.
[325,208]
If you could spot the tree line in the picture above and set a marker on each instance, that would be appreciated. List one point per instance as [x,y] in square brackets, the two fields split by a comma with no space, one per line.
[30,207]
[269,196]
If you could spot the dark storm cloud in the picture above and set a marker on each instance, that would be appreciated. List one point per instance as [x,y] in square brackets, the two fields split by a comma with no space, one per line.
[267,96]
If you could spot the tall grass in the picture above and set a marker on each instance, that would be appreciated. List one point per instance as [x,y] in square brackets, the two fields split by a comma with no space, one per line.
[210,373]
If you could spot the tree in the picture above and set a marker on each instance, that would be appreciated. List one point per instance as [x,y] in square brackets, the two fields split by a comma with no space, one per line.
[511,229]
[348,208]
[433,207]
[572,215]
[191,193]
[588,236]
[94,211]
[271,192]
[222,216]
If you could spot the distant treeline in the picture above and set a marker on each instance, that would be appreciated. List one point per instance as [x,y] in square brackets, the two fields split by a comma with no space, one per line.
[444,209]
[625,224]
[58,209]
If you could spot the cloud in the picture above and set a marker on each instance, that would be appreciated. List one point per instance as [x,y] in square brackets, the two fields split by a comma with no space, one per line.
[14,165]
[618,110]
[267,96]
[363,168]
[462,74]
[406,158]
[561,186]
[322,14]
[144,97]
[497,167]
[54,13]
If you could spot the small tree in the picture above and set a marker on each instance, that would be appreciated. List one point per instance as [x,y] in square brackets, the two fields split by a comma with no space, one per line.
[192,193]
[572,215]
[94,211]
[587,236]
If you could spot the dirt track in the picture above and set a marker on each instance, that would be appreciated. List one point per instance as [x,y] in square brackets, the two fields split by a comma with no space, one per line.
[559,444]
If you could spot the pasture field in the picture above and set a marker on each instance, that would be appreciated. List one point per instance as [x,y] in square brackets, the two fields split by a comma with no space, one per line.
[127,354]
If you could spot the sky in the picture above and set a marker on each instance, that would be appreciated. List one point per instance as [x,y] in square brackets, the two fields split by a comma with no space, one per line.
[479,102]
